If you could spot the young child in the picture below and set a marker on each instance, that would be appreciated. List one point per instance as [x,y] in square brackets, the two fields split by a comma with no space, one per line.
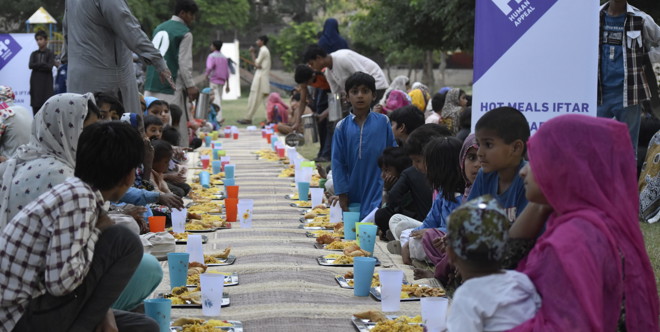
[110,107]
[392,163]
[455,101]
[162,155]
[437,102]
[359,140]
[502,135]
[404,120]
[161,109]
[153,127]
[464,123]
[490,299]
[41,80]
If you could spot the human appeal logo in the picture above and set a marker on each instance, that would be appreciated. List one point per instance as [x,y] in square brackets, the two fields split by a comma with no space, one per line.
[8,49]
[517,14]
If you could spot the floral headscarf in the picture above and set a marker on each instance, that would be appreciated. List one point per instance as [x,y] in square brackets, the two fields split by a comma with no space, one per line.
[6,94]
[470,142]
[452,109]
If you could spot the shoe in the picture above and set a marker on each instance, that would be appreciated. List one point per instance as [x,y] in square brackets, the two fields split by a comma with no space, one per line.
[394,247]
[244,122]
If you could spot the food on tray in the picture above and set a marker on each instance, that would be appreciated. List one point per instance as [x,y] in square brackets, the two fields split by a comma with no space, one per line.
[196,268]
[372,315]
[200,194]
[400,324]
[180,236]
[339,244]
[200,325]
[355,251]
[322,232]
[183,295]
[303,203]
[213,258]
[287,173]
[218,176]
[339,259]
[207,222]
[348,276]
[408,291]
[327,239]
[206,207]
[268,155]
[217,182]
[339,228]
[323,224]
[309,215]
[193,279]
[321,209]
[293,196]
[193,216]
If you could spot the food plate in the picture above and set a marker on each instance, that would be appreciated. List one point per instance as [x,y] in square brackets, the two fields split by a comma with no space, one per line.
[231,279]
[314,228]
[225,302]
[318,212]
[322,246]
[319,232]
[344,282]
[228,261]
[375,292]
[331,262]
[237,326]
[208,230]
[365,325]
[301,204]
[204,240]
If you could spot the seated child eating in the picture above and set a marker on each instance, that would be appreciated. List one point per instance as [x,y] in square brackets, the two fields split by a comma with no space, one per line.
[153,127]
[490,299]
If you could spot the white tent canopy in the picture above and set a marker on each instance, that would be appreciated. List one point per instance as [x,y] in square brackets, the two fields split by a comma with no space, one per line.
[41,16]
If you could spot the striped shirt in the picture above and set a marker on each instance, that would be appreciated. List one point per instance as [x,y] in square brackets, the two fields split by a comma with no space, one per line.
[47,247]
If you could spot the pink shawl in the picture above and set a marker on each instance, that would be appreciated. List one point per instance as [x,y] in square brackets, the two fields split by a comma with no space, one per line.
[395,100]
[274,99]
[586,170]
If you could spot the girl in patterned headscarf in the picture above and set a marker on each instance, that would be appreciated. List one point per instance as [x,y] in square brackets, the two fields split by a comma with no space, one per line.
[454,103]
[15,122]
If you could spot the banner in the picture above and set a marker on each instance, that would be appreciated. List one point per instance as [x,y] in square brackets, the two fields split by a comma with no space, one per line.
[15,51]
[538,56]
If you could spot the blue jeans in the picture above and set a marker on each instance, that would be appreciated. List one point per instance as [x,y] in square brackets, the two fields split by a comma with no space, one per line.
[631,116]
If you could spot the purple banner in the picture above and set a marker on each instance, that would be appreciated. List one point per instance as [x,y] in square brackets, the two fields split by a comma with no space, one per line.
[8,49]
[499,24]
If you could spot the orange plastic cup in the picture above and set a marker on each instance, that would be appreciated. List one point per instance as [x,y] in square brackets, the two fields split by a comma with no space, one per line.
[232,191]
[156,224]
[268,137]
[275,128]
[231,206]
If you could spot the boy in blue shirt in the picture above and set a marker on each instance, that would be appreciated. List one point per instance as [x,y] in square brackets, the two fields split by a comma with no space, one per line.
[502,135]
[358,141]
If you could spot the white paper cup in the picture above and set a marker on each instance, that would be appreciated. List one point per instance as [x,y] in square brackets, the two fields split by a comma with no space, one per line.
[212,285]
[179,220]
[194,248]
[336,214]
[434,313]
[244,210]
[317,196]
[390,289]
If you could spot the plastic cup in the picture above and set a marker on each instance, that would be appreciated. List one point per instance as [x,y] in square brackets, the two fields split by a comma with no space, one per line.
[223,164]
[228,133]
[229,182]
[179,220]
[159,310]
[268,137]
[214,135]
[236,135]
[354,207]
[363,272]
[245,208]
[195,249]
[215,154]
[317,196]
[222,153]
[207,141]
[212,285]
[205,179]
[350,218]
[322,183]
[263,133]
[229,171]
[205,163]
[232,191]
[231,208]
[217,166]
[281,153]
[434,312]
[366,233]
[177,263]
[390,289]
[303,191]
[157,224]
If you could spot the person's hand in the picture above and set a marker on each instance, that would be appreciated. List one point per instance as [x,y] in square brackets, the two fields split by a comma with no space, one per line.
[193,92]
[108,324]
[174,178]
[227,88]
[137,212]
[171,201]
[322,172]
[166,76]
[104,221]
[251,49]
[378,108]
[418,233]
[343,202]
[440,243]
[297,126]
[389,181]
[2,159]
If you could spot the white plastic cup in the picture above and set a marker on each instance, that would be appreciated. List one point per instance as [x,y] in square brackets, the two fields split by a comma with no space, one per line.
[179,220]
[336,213]
[434,313]
[244,210]
[212,285]
[194,248]
[390,289]
[317,196]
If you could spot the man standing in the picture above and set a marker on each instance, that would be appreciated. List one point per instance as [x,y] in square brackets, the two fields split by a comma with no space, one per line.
[41,80]
[260,84]
[99,40]
[174,40]
[628,38]
[217,71]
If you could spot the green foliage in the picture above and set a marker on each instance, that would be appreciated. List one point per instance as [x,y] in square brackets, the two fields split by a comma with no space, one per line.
[291,42]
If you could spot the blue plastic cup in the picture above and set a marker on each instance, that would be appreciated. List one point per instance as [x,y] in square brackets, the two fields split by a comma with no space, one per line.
[207,141]
[205,179]
[229,181]
[178,265]
[159,310]
[216,166]
[354,207]
[367,235]
[215,154]
[363,272]
[303,191]
[229,171]
[350,218]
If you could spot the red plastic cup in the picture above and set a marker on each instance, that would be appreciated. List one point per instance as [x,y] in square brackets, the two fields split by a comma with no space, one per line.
[268,135]
[205,163]
[227,134]
[231,207]
[281,152]
[222,165]
[157,224]
[235,135]
[275,128]
[232,191]
[263,133]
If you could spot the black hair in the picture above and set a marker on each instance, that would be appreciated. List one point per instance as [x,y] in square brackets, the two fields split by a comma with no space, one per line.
[418,139]
[162,149]
[195,143]
[175,113]
[465,119]
[296,96]
[217,44]
[469,100]
[303,74]
[359,78]
[107,152]
[408,115]
[158,102]
[152,120]
[438,101]
[92,109]
[395,157]
[507,123]
[264,39]
[188,6]
[106,98]
[170,135]
[649,125]
[443,168]
[312,52]
[41,33]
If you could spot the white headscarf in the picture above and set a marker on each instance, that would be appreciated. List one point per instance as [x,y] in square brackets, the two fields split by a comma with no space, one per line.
[50,157]
[398,83]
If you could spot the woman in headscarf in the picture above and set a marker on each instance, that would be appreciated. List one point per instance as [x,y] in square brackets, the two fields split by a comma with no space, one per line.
[649,183]
[276,108]
[15,122]
[395,100]
[454,103]
[401,83]
[590,265]
[331,40]
[420,99]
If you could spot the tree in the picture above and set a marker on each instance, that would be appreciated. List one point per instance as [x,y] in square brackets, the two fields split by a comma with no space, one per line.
[291,42]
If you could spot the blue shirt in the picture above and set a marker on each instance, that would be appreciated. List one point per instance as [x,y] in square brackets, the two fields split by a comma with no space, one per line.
[513,200]
[611,61]
[355,152]
[440,210]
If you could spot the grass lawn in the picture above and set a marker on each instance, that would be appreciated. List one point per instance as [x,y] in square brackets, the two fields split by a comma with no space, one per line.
[235,109]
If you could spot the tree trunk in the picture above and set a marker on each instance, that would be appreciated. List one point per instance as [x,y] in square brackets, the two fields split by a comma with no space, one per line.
[443,66]
[427,73]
